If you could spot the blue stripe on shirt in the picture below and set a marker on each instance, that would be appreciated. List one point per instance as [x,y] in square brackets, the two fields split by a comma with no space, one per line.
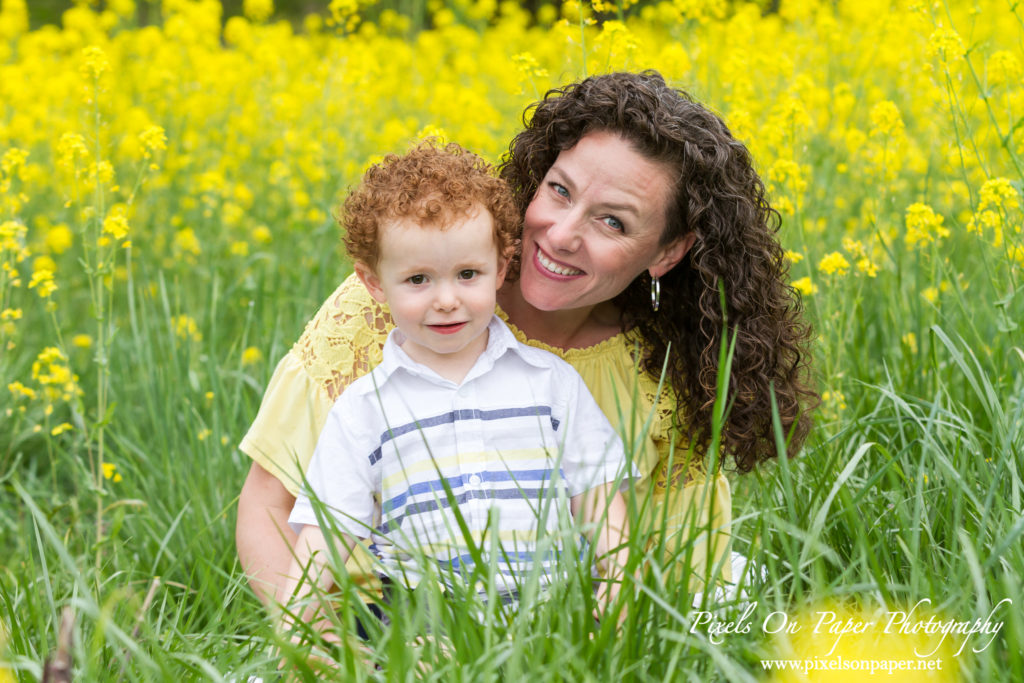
[446,502]
[458,415]
[541,475]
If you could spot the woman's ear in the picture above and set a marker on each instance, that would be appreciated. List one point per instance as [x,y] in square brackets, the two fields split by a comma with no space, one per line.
[370,280]
[671,255]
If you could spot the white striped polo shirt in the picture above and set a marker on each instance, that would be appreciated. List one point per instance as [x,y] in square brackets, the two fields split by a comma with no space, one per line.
[405,453]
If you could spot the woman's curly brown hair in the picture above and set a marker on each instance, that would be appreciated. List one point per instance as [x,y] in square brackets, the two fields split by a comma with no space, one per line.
[434,186]
[719,197]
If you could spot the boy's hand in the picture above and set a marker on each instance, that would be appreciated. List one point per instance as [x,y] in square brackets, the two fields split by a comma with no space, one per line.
[604,509]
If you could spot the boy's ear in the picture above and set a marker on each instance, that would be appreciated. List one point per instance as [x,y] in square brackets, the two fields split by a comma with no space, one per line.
[503,261]
[370,280]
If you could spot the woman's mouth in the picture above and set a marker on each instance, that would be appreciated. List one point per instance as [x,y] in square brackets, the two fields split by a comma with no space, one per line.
[447,328]
[555,268]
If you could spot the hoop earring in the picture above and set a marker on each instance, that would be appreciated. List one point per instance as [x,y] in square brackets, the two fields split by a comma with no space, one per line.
[655,293]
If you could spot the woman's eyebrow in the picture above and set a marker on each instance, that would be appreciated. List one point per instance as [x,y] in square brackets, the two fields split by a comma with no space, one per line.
[563,176]
[622,206]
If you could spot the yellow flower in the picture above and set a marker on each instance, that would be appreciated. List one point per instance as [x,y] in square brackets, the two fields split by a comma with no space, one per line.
[1003,68]
[239,248]
[793,256]
[931,294]
[81,341]
[344,13]
[10,314]
[153,140]
[10,166]
[251,356]
[5,671]
[997,198]
[186,328]
[42,282]
[20,390]
[999,193]
[185,240]
[94,63]
[834,264]
[110,472]
[262,234]
[886,120]
[60,429]
[257,10]
[204,434]
[59,238]
[805,286]
[923,225]
[867,266]
[946,45]
[102,172]
[116,222]
[829,633]
[910,340]
[836,398]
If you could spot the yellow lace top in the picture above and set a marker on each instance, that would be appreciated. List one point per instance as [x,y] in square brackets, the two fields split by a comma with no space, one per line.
[344,341]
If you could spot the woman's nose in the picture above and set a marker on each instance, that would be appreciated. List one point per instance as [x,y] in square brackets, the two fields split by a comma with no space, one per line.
[564,233]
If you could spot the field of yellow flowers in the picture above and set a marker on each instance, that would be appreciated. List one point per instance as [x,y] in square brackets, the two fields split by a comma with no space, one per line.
[166,198]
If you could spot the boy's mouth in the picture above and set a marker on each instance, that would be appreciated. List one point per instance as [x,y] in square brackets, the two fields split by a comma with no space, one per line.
[447,328]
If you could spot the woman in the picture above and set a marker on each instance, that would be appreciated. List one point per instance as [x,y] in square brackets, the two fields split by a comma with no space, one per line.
[640,212]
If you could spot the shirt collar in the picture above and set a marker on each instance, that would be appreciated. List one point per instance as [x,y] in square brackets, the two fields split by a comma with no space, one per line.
[500,341]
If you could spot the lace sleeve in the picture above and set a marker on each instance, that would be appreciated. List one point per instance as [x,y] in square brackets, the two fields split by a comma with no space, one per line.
[345,339]
[342,342]
[697,507]
[676,467]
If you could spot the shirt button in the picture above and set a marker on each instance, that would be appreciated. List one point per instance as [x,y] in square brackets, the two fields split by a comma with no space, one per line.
[474,480]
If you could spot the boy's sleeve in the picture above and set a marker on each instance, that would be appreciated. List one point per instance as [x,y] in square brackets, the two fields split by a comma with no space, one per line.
[592,452]
[339,475]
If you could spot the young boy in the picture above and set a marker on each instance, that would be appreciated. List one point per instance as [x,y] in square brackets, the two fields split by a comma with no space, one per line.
[511,430]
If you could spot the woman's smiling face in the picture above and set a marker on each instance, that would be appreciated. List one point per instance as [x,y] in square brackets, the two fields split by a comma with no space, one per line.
[595,224]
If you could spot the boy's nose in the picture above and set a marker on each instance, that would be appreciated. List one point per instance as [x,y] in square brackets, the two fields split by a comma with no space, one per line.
[446,299]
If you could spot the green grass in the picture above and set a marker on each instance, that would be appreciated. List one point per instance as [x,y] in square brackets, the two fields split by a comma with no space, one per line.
[910,487]
[908,496]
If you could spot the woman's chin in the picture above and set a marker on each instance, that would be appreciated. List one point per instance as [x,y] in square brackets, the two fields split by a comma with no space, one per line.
[544,295]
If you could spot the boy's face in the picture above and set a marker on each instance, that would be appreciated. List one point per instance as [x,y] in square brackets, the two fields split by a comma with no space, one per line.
[439,284]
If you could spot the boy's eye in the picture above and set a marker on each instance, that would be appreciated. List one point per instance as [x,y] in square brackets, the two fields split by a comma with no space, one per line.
[467,274]
[417,279]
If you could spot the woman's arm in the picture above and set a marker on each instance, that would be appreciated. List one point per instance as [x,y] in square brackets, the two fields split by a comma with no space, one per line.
[264,540]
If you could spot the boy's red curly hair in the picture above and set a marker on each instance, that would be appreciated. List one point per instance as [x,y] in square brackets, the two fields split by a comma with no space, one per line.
[435,185]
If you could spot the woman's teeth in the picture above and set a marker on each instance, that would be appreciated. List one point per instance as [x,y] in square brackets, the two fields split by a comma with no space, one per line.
[554,267]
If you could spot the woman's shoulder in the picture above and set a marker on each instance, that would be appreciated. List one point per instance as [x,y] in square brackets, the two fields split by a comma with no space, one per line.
[612,371]
[345,339]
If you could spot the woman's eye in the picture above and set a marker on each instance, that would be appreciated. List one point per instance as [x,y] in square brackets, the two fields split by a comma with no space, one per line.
[467,274]
[560,190]
[614,223]
[417,279]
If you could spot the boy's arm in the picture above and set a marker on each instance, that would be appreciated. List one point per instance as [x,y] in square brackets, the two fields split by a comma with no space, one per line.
[311,556]
[602,510]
